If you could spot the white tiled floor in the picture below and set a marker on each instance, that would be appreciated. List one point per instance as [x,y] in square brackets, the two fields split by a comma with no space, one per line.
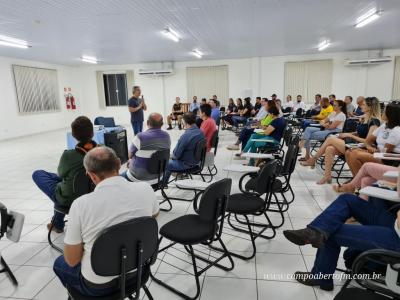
[32,258]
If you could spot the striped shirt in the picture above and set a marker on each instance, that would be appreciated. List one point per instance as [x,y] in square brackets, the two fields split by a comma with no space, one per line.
[143,146]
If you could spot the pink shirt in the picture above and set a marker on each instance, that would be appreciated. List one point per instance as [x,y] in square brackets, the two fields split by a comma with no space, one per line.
[208,127]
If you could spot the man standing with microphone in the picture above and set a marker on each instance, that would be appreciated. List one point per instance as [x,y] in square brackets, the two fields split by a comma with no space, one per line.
[136,107]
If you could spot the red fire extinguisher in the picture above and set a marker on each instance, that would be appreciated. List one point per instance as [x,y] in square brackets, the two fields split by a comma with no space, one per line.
[67,99]
[72,100]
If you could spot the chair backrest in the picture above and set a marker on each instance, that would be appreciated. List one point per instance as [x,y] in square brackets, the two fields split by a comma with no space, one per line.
[291,157]
[200,151]
[287,135]
[213,203]
[158,162]
[265,177]
[215,141]
[350,125]
[287,110]
[299,112]
[82,184]
[106,122]
[124,247]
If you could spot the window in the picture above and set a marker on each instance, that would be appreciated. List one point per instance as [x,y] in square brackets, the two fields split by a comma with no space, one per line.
[396,80]
[36,89]
[308,78]
[204,82]
[115,89]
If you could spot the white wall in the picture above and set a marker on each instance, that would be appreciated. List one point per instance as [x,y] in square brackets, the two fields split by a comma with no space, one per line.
[262,76]
[13,124]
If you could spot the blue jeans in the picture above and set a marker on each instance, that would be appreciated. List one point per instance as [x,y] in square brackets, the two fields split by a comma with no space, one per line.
[47,183]
[307,123]
[244,136]
[376,231]
[315,133]
[238,119]
[72,277]
[137,127]
[173,166]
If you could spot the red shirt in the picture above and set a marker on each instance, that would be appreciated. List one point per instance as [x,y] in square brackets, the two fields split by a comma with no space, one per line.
[208,127]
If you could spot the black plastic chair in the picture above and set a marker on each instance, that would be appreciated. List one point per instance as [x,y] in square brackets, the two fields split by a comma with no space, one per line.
[105,121]
[82,185]
[199,154]
[125,250]
[157,166]
[210,158]
[374,262]
[245,204]
[202,228]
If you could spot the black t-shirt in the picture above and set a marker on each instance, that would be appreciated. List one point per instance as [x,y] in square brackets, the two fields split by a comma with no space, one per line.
[177,107]
[232,108]
[249,108]
[137,116]
[257,106]
[240,107]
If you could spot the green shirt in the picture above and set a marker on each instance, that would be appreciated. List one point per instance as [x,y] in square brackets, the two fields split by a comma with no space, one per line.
[267,120]
[71,164]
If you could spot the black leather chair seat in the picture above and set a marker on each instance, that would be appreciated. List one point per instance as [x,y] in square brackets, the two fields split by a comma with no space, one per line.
[187,230]
[357,293]
[245,204]
[130,287]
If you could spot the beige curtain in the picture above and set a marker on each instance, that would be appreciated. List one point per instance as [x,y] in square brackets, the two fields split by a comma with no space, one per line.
[204,82]
[396,79]
[129,81]
[100,89]
[308,78]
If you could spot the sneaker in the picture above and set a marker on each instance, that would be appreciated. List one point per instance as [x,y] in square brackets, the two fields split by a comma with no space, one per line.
[169,127]
[305,236]
[180,127]
[56,230]
[233,147]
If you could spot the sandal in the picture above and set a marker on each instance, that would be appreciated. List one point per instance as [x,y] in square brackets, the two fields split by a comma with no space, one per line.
[324,180]
[342,189]
[308,163]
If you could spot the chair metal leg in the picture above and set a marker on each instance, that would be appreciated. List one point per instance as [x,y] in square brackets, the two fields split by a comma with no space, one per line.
[6,269]
[49,238]
[196,276]
[147,292]
[250,233]
[166,199]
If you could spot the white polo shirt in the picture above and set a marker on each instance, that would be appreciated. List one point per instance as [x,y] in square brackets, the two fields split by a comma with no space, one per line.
[298,105]
[113,201]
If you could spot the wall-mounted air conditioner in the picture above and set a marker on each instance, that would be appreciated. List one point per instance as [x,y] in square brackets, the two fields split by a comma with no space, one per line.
[163,72]
[367,61]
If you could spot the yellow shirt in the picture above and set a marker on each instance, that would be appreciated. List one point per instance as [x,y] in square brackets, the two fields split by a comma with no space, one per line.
[324,113]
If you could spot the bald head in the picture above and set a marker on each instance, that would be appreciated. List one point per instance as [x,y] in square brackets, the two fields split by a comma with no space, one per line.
[155,120]
[360,100]
[101,163]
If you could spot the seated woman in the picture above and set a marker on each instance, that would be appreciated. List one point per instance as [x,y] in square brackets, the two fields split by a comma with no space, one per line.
[385,138]
[246,132]
[243,114]
[379,229]
[273,133]
[336,145]
[60,187]
[368,174]
[232,111]
[332,124]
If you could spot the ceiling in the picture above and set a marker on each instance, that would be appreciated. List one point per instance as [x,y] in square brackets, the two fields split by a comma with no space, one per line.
[129,31]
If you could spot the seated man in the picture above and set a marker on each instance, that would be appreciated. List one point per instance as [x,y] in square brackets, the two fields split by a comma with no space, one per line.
[60,187]
[360,102]
[314,108]
[194,106]
[143,146]
[114,200]
[208,126]
[379,229]
[183,155]
[288,106]
[326,110]
[349,106]
[176,114]
[256,107]
[299,104]
[215,114]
